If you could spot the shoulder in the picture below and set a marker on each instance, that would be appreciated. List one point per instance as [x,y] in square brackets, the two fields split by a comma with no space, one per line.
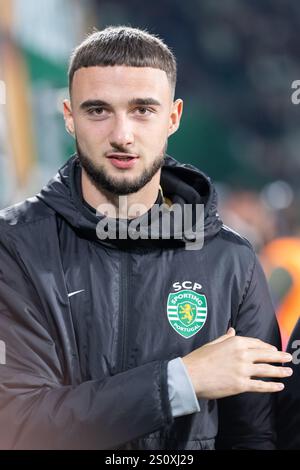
[232,237]
[25,213]
[234,242]
[234,252]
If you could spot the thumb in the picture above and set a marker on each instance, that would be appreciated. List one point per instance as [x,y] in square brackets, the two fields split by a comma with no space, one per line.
[229,334]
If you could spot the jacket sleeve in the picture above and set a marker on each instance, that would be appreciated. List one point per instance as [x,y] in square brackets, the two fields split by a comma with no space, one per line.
[247,421]
[38,409]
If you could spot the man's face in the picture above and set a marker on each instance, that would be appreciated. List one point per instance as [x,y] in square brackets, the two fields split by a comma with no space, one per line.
[121,118]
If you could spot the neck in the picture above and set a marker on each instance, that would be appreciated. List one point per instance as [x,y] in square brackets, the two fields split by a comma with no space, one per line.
[124,207]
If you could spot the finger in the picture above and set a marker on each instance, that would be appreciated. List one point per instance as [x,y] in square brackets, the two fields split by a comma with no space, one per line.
[264,355]
[260,386]
[265,370]
[229,334]
[255,343]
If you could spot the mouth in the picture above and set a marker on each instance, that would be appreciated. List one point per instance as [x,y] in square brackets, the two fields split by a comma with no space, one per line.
[122,160]
[122,156]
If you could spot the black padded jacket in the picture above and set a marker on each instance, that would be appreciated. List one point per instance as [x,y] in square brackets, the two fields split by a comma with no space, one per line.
[88,330]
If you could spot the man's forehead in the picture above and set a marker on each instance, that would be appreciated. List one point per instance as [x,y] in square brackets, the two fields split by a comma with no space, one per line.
[119,78]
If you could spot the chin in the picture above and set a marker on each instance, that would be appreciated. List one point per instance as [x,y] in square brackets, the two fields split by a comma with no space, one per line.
[127,174]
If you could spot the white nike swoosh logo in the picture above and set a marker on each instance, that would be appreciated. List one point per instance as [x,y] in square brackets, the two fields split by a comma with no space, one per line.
[76,292]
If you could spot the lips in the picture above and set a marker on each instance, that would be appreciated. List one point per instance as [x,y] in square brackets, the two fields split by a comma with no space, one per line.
[122,156]
[122,160]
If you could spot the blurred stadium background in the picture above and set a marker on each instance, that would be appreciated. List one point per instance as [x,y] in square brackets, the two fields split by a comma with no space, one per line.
[237,61]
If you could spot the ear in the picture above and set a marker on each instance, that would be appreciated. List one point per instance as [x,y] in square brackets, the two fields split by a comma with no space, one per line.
[175,116]
[68,117]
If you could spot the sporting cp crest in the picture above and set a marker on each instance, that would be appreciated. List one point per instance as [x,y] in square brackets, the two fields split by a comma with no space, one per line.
[187,312]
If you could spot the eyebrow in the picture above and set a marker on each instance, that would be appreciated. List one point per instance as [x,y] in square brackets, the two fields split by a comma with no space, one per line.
[135,101]
[144,102]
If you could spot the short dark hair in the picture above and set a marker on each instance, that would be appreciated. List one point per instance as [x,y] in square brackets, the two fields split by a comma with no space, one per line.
[123,45]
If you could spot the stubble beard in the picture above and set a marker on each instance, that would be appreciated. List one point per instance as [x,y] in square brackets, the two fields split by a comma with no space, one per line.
[100,178]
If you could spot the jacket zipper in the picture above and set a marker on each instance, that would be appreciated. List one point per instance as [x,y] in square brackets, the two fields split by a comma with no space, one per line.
[123,310]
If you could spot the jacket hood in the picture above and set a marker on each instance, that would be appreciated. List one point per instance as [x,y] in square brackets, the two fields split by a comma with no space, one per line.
[183,185]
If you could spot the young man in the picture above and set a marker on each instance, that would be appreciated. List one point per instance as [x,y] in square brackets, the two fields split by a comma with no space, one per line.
[123,342]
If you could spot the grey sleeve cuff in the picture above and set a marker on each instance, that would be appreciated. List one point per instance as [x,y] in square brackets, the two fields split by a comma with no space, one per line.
[182,395]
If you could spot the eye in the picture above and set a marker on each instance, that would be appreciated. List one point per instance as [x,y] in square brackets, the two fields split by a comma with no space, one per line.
[142,111]
[96,111]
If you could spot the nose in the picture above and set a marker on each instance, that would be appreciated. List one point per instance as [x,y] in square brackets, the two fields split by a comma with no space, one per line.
[122,132]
